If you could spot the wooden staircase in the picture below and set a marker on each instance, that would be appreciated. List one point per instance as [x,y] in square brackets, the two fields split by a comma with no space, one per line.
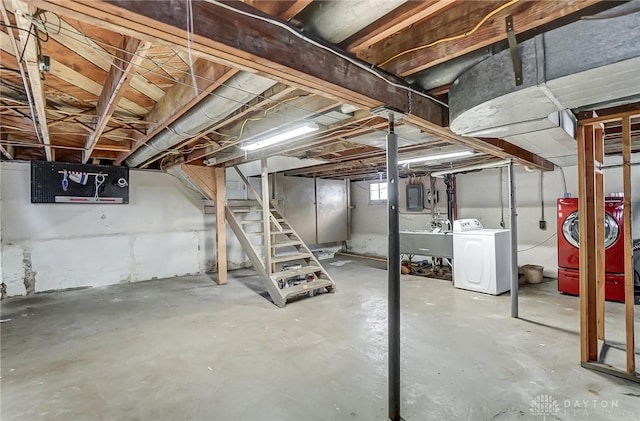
[288,268]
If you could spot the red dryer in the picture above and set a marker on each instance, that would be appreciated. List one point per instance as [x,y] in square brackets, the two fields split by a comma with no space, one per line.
[568,253]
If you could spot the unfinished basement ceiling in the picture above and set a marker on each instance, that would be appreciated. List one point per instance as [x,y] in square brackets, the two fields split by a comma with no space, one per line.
[193,105]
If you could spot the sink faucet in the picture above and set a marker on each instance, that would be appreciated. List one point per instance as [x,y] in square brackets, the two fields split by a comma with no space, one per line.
[446,221]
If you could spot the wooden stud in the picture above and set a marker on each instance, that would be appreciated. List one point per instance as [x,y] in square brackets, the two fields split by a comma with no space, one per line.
[609,118]
[600,251]
[221,224]
[586,187]
[131,52]
[628,253]
[266,217]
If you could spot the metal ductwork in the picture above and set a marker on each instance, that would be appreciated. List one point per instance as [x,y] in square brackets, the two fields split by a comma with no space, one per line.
[586,64]
[331,20]
[445,73]
[236,92]
[335,21]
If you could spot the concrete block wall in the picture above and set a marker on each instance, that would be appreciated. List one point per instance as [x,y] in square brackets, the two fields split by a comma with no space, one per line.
[163,232]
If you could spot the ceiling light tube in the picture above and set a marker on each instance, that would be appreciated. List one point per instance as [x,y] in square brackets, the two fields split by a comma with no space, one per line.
[436,157]
[290,133]
[488,165]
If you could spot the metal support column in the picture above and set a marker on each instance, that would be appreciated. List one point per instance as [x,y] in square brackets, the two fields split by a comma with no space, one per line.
[266,216]
[393,272]
[513,226]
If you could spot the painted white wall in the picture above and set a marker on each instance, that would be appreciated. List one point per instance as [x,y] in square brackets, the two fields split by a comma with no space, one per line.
[162,232]
[369,221]
[479,197]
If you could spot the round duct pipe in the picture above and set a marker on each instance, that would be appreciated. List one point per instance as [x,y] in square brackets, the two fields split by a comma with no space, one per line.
[584,63]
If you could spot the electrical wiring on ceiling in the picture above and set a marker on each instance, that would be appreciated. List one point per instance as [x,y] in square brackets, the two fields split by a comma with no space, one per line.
[452,38]
[88,42]
[43,23]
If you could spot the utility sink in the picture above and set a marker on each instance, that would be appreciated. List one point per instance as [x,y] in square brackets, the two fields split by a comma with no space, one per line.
[427,243]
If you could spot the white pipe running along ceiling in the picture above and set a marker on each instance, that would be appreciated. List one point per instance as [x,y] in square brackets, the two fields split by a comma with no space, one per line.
[588,64]
[244,86]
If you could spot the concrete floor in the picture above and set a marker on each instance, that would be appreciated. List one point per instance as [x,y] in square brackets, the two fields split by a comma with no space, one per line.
[186,349]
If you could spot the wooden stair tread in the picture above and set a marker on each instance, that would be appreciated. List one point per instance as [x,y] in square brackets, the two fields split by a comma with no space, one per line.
[287,244]
[305,287]
[272,232]
[305,270]
[279,258]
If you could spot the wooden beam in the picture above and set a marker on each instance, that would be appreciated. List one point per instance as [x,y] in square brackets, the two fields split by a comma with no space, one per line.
[586,208]
[522,155]
[628,253]
[30,55]
[459,20]
[395,21]
[129,55]
[226,33]
[221,225]
[599,214]
[492,146]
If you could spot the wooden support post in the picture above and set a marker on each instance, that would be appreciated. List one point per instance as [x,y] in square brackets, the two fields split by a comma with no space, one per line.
[266,217]
[628,257]
[221,226]
[588,299]
[600,253]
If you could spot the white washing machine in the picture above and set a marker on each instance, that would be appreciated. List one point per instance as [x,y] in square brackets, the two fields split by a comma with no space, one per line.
[481,257]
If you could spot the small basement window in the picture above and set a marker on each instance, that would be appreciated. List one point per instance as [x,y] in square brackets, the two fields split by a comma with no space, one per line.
[378,192]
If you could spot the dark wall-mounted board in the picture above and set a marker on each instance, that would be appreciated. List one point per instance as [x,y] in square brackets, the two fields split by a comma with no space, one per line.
[59,182]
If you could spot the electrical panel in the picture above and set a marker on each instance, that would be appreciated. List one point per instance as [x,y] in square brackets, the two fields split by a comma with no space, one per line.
[415,198]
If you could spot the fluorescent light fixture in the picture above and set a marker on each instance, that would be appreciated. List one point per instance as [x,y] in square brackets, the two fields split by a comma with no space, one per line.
[436,157]
[496,164]
[290,133]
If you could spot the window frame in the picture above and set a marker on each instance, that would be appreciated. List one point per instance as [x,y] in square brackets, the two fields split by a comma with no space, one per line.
[378,201]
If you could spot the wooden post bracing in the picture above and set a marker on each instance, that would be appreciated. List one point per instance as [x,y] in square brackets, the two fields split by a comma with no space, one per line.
[628,254]
[590,142]
[600,252]
[586,208]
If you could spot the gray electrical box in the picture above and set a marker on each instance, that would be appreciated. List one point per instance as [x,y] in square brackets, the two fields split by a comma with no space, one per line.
[415,198]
